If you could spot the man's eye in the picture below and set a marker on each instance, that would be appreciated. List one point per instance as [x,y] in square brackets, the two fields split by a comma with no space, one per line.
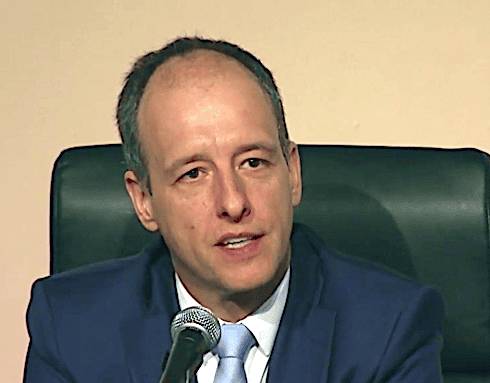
[191,174]
[254,162]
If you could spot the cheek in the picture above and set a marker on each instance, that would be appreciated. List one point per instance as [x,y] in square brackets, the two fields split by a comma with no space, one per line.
[179,203]
[273,194]
[191,216]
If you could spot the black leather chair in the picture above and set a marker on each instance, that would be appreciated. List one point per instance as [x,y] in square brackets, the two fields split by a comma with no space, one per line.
[422,212]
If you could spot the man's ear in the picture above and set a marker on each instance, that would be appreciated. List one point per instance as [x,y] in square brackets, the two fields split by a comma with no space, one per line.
[141,199]
[295,181]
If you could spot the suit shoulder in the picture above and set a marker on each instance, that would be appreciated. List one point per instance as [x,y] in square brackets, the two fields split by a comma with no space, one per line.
[118,279]
[380,321]
[358,280]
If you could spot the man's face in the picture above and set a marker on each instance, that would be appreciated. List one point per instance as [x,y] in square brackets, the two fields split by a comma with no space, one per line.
[222,192]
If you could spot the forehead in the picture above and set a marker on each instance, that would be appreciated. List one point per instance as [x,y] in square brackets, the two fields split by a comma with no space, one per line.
[197,75]
[204,93]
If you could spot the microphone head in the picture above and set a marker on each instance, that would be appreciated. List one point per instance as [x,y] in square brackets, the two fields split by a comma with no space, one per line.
[200,319]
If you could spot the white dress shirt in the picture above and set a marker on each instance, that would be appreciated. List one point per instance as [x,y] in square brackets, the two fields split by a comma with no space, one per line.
[263,323]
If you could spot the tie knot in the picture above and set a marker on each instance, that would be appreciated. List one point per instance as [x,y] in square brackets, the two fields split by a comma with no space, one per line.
[236,340]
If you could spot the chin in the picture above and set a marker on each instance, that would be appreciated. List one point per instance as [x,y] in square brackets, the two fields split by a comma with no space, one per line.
[255,282]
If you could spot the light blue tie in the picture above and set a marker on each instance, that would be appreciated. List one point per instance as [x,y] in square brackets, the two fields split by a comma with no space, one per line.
[234,344]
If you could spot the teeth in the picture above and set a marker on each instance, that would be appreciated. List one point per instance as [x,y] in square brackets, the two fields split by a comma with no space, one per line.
[235,240]
[236,243]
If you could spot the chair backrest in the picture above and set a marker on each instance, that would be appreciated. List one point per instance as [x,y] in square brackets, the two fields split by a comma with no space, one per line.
[421,212]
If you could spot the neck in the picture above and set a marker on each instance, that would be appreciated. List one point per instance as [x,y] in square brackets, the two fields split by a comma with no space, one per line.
[238,306]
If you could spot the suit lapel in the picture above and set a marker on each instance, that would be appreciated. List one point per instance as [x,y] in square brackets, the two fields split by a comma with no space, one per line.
[302,349]
[146,335]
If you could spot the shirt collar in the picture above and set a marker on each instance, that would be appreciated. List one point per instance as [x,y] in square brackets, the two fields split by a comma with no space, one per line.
[263,323]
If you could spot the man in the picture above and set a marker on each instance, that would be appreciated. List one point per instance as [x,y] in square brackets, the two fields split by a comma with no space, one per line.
[212,169]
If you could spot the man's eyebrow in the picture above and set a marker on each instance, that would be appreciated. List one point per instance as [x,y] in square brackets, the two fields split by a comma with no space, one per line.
[186,160]
[271,149]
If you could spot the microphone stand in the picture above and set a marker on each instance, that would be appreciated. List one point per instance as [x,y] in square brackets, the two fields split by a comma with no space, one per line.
[189,377]
[190,374]
[185,358]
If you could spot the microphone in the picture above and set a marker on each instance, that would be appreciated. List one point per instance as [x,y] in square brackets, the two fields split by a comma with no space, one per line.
[195,331]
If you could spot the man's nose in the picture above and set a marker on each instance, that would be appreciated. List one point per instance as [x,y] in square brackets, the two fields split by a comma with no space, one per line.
[231,198]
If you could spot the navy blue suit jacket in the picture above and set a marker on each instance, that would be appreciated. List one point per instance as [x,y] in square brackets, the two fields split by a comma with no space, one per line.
[344,321]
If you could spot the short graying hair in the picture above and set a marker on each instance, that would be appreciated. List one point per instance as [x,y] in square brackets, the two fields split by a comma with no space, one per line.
[145,66]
